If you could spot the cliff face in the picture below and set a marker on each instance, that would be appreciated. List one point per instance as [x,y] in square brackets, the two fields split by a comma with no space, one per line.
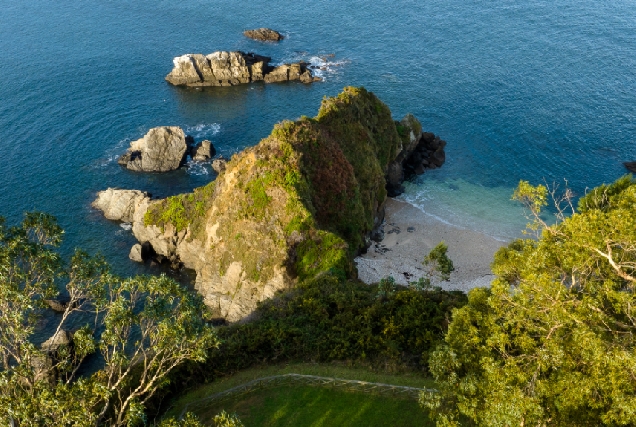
[302,202]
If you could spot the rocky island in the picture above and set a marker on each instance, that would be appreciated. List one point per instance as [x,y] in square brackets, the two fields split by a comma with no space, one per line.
[234,68]
[164,149]
[303,201]
[263,35]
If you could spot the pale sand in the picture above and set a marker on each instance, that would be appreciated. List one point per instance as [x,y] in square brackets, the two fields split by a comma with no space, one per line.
[410,234]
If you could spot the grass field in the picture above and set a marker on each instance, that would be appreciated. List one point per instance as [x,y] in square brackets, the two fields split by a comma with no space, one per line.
[300,405]
[304,406]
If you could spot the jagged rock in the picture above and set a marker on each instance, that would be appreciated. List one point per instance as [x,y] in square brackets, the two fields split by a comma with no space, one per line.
[57,305]
[219,164]
[162,149]
[141,252]
[135,253]
[410,130]
[427,154]
[120,205]
[203,152]
[59,339]
[232,68]
[307,77]
[263,34]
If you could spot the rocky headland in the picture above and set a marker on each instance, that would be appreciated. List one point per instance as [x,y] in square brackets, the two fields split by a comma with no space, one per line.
[234,68]
[303,202]
[263,35]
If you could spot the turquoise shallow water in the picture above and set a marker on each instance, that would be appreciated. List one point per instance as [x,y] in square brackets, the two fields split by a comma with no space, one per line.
[519,89]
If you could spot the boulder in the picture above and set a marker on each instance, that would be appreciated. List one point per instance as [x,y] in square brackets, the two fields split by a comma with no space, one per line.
[57,305]
[219,164]
[135,253]
[233,68]
[120,205]
[59,339]
[263,34]
[141,252]
[162,149]
[203,152]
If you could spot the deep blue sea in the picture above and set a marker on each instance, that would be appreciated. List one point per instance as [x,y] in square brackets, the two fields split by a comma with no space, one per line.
[534,90]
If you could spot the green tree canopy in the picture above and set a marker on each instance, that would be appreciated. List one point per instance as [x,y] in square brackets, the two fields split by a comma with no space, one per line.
[552,342]
[143,327]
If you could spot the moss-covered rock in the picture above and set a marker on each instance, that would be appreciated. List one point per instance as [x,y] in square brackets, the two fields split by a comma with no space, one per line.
[302,202]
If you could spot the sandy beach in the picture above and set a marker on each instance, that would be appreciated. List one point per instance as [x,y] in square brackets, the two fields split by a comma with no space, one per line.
[409,235]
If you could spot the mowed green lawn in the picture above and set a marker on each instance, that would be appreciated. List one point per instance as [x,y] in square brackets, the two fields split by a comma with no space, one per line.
[306,406]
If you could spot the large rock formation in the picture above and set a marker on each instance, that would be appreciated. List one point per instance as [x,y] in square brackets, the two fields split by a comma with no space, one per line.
[263,35]
[302,202]
[162,149]
[233,68]
[121,205]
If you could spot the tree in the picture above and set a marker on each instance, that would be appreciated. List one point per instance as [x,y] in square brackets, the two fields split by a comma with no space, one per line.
[143,327]
[553,341]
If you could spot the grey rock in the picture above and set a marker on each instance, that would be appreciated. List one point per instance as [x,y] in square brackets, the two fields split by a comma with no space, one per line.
[57,305]
[120,205]
[219,165]
[263,34]
[224,68]
[135,253]
[203,152]
[162,149]
[630,166]
[61,338]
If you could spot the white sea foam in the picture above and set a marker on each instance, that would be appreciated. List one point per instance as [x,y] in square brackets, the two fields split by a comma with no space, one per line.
[197,168]
[126,226]
[112,154]
[323,66]
[203,130]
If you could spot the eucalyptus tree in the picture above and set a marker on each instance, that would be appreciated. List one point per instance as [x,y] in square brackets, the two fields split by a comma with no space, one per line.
[552,342]
[142,328]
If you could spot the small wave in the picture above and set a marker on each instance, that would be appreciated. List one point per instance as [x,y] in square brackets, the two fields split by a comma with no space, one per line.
[112,154]
[197,168]
[323,66]
[126,226]
[202,131]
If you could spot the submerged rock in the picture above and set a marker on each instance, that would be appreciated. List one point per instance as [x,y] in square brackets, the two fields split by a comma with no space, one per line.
[300,204]
[630,166]
[263,34]
[162,149]
[233,68]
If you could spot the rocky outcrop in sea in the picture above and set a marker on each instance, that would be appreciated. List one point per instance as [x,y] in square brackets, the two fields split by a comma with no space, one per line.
[234,68]
[164,149]
[263,35]
[300,204]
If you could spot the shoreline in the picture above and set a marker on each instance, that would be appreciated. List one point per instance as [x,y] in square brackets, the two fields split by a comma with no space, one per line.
[410,234]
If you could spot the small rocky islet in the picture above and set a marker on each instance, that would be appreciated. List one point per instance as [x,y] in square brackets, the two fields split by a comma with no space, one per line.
[234,68]
[305,200]
[264,35]
[163,149]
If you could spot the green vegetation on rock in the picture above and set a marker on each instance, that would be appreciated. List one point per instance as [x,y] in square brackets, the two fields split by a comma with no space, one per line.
[301,202]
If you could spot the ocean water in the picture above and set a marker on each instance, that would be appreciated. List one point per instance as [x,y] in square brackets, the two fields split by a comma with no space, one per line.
[534,90]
